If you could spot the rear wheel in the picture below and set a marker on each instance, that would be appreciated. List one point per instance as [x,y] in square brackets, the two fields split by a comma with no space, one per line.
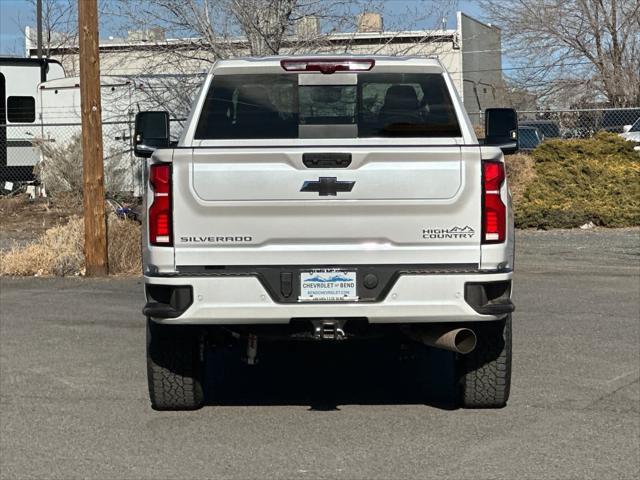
[484,375]
[175,367]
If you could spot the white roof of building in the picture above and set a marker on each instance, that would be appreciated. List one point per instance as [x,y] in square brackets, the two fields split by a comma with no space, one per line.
[122,43]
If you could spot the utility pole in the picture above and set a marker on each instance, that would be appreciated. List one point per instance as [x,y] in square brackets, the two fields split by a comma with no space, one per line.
[39,26]
[95,229]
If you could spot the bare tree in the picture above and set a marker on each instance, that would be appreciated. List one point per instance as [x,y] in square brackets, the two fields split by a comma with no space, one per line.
[60,29]
[59,24]
[264,23]
[198,32]
[573,49]
[213,29]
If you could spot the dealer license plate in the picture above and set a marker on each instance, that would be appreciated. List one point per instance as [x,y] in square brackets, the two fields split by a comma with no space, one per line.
[328,286]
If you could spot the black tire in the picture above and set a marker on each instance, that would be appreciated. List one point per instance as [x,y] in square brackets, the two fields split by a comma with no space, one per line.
[174,367]
[484,375]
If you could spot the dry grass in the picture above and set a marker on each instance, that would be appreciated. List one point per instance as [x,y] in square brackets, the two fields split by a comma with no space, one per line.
[11,205]
[520,172]
[60,167]
[19,213]
[59,251]
[124,246]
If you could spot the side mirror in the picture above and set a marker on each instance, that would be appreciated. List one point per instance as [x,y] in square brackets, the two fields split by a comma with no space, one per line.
[151,133]
[501,129]
[626,128]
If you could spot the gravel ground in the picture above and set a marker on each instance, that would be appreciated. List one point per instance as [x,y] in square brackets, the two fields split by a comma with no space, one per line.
[73,400]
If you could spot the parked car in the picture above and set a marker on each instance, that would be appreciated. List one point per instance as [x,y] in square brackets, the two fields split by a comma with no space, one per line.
[632,133]
[529,138]
[614,120]
[547,128]
[327,199]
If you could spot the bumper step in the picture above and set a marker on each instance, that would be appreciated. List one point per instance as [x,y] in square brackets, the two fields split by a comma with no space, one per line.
[501,307]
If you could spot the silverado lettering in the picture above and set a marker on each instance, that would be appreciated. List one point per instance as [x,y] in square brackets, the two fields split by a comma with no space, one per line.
[212,239]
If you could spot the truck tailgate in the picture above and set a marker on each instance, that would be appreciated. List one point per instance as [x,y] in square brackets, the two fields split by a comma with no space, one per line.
[390,205]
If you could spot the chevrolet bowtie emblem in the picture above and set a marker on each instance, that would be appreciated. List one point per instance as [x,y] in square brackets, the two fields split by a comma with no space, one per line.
[326,186]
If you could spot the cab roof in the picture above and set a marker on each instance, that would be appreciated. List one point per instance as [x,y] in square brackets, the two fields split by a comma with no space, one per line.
[274,64]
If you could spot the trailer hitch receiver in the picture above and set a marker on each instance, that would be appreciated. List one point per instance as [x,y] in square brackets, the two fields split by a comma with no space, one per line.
[329,329]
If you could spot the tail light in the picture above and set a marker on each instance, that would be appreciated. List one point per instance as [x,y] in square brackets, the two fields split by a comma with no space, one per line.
[328,65]
[160,218]
[494,211]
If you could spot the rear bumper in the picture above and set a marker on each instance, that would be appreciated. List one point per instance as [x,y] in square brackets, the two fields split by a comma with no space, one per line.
[412,299]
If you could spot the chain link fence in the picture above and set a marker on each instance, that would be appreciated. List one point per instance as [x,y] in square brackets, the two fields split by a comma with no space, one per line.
[54,150]
[576,123]
[53,153]
[581,123]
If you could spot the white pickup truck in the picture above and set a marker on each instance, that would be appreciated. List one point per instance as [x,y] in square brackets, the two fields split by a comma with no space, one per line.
[325,199]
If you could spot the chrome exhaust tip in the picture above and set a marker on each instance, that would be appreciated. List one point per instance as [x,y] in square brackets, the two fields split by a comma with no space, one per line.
[458,340]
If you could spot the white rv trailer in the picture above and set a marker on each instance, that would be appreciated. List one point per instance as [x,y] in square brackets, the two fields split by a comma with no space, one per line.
[60,115]
[19,107]
[49,110]
[122,97]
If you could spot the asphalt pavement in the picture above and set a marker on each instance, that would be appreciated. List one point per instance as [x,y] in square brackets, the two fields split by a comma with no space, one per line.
[73,399]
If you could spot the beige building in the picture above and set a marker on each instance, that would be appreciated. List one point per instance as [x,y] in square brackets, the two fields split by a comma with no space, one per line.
[471,53]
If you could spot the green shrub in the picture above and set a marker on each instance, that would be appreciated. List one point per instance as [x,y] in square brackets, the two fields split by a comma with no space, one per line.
[577,181]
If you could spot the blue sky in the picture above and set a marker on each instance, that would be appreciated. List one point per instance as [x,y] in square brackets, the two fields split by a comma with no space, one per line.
[15,14]
[12,14]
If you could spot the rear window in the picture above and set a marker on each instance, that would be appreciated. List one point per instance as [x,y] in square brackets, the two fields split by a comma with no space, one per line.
[379,105]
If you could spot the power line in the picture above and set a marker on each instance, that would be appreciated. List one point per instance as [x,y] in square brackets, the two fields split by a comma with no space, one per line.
[522,68]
